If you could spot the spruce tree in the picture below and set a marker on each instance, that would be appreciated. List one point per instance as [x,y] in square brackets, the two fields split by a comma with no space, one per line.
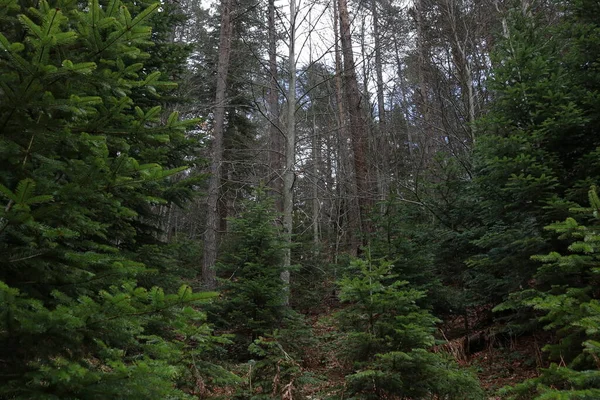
[249,269]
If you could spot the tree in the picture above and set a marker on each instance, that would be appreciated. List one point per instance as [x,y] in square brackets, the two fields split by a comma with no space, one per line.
[275,134]
[536,155]
[289,175]
[212,217]
[388,335]
[253,292]
[566,294]
[79,181]
[358,123]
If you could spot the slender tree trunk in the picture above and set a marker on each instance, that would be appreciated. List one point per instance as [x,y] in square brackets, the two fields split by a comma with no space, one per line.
[378,63]
[316,204]
[463,65]
[382,133]
[366,68]
[358,125]
[406,114]
[290,152]
[423,104]
[275,134]
[212,212]
[505,31]
[316,160]
[344,156]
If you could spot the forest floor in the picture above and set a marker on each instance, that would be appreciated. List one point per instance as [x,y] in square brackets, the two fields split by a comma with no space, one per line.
[497,363]
[498,359]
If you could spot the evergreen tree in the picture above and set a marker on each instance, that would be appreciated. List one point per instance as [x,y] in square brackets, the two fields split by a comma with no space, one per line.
[539,151]
[388,336]
[253,293]
[570,306]
[79,179]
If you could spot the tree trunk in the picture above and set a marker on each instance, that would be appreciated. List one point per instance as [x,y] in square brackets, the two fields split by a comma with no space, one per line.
[382,133]
[344,157]
[463,65]
[358,125]
[316,204]
[423,105]
[212,212]
[290,152]
[400,72]
[275,134]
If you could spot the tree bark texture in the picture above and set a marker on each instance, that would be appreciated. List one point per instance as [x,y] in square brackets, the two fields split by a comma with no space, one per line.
[212,213]
[381,142]
[358,125]
[343,158]
[423,105]
[290,152]
[275,135]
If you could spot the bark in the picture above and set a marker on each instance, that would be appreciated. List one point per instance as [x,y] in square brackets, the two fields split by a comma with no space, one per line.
[212,212]
[344,156]
[463,65]
[505,31]
[409,137]
[382,133]
[290,152]
[358,125]
[316,204]
[275,134]
[423,104]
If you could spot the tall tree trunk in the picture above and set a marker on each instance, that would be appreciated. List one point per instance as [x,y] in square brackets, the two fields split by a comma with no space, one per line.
[212,212]
[275,134]
[423,105]
[505,31]
[290,152]
[382,133]
[463,65]
[400,72]
[358,125]
[344,156]
[316,204]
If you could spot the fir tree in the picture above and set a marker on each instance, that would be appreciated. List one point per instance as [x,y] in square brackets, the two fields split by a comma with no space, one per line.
[387,338]
[249,271]
[78,182]
[538,153]
[570,306]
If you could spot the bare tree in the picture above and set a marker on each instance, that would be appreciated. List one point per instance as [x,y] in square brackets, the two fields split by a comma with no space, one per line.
[212,212]
[290,148]
[358,124]
[275,134]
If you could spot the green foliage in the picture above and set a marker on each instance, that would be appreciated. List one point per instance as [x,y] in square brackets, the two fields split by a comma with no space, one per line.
[566,294]
[80,183]
[276,368]
[423,251]
[387,337]
[128,343]
[253,293]
[538,152]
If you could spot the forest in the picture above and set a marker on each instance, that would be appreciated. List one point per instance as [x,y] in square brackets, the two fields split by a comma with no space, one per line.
[300,199]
